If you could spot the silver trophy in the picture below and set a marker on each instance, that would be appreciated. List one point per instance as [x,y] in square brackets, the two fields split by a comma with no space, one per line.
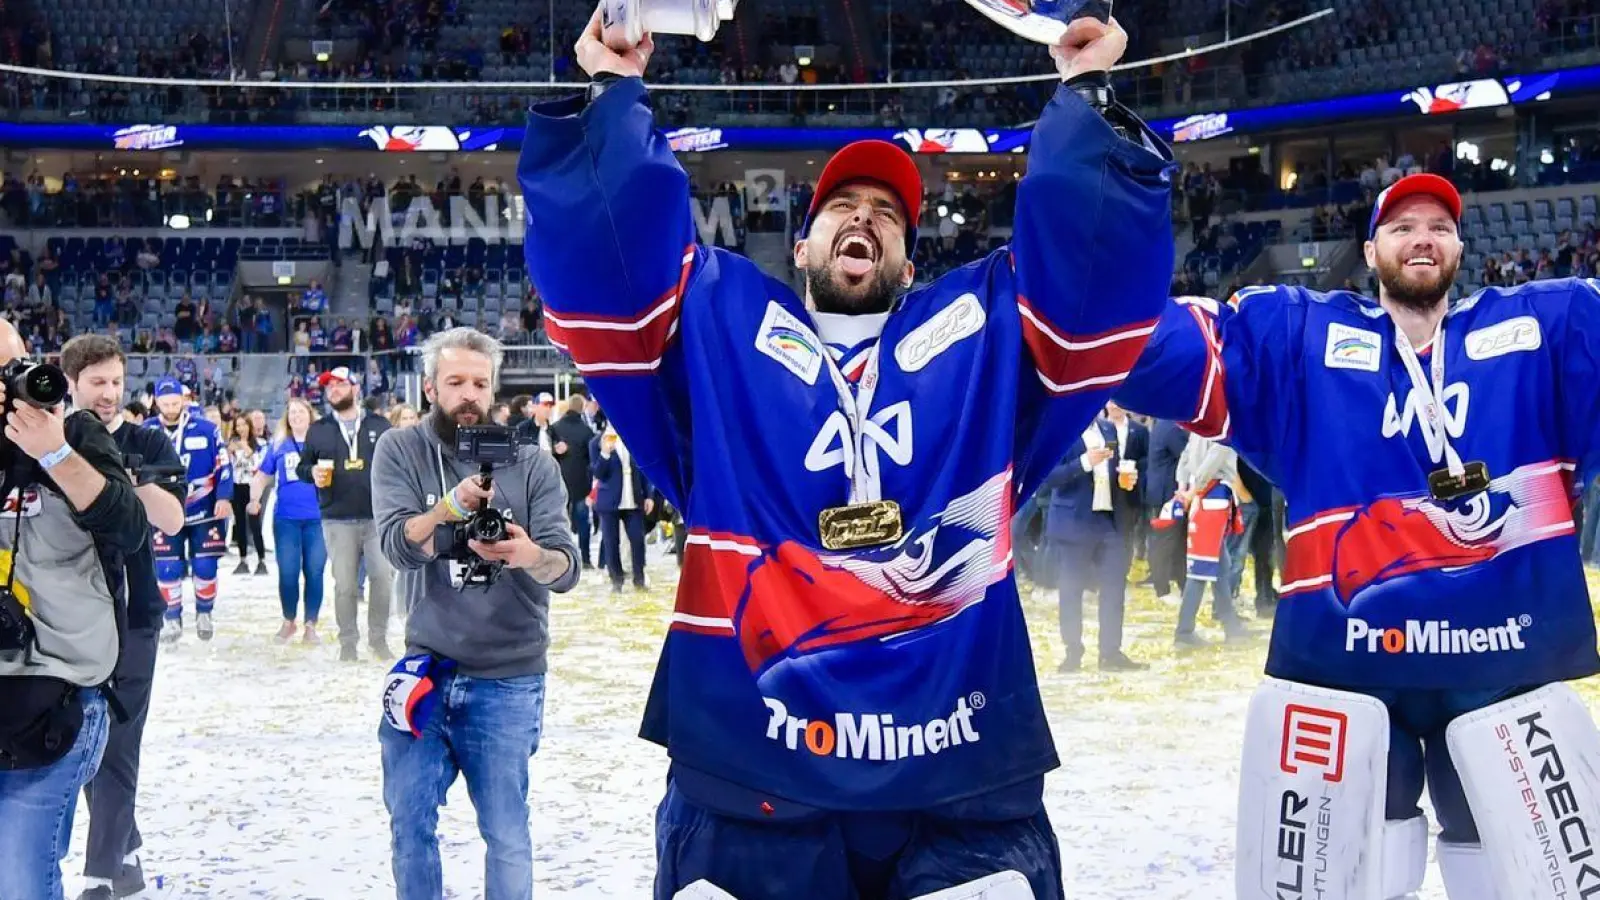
[628,20]
[1044,21]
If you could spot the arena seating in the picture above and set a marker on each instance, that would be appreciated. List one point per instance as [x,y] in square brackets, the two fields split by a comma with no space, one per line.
[1498,228]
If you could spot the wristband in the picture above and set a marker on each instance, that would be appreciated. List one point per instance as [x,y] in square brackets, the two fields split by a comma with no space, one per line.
[55,457]
[454,507]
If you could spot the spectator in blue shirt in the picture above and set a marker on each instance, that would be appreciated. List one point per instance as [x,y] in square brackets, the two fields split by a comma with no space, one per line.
[296,522]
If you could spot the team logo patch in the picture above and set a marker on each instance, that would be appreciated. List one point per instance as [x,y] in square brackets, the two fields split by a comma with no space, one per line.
[791,342]
[1510,336]
[960,319]
[28,505]
[1351,348]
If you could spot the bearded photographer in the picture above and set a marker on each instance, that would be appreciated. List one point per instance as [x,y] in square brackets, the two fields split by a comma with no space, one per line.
[96,370]
[71,519]
[468,698]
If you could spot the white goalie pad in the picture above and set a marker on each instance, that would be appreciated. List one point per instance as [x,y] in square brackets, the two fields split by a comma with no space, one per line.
[1007,885]
[1311,798]
[703,890]
[1530,767]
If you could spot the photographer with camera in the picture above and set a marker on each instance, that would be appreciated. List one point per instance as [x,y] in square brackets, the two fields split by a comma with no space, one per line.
[476,525]
[96,371]
[71,520]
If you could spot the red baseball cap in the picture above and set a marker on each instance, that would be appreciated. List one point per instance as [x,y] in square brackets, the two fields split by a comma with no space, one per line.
[339,373]
[875,161]
[1421,184]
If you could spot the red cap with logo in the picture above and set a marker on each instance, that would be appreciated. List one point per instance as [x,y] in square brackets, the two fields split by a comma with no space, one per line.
[874,161]
[339,373]
[1422,184]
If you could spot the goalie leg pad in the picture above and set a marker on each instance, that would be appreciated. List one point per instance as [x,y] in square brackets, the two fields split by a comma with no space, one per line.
[1530,768]
[1467,873]
[1312,790]
[1008,885]
[1405,856]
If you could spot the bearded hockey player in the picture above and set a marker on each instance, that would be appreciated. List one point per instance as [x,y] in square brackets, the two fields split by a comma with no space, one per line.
[1433,595]
[194,550]
[846,689]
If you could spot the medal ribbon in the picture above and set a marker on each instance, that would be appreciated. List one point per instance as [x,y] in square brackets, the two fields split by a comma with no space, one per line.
[352,436]
[1434,429]
[864,488]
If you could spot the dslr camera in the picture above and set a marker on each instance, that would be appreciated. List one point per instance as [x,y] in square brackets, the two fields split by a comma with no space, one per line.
[487,446]
[172,479]
[35,383]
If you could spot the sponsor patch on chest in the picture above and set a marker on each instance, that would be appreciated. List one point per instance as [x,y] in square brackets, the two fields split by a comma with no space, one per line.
[195,443]
[961,319]
[28,506]
[1351,348]
[791,342]
[1510,336]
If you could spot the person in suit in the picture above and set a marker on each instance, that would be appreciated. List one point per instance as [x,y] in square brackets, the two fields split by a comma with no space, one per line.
[1094,501]
[1166,551]
[623,501]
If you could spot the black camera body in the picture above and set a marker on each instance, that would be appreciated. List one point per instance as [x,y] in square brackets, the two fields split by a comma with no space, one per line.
[172,479]
[487,446]
[16,628]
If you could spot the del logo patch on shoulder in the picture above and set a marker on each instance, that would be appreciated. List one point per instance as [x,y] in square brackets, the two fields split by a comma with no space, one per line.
[1351,348]
[791,342]
[1510,336]
[960,319]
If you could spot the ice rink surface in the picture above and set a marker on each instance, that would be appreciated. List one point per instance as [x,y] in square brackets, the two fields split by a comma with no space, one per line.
[261,775]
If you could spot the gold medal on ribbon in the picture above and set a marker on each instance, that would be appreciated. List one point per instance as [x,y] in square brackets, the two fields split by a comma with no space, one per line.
[860,525]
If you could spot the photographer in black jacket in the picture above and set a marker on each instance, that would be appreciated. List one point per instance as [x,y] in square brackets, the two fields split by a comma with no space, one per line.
[70,520]
[96,370]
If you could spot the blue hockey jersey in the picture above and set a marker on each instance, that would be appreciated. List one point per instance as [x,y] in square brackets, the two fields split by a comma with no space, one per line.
[894,677]
[1385,586]
[200,448]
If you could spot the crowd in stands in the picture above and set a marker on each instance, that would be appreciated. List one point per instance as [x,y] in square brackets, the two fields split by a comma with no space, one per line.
[409,40]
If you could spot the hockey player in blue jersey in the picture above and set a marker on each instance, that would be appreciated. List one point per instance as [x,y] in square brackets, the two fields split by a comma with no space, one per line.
[846,688]
[194,551]
[1433,599]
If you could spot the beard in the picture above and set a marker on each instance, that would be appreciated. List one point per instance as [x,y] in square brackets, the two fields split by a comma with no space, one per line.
[829,295]
[447,422]
[1416,293]
[343,405]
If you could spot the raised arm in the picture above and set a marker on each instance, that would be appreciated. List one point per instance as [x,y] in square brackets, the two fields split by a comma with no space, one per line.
[1092,250]
[1226,371]
[611,248]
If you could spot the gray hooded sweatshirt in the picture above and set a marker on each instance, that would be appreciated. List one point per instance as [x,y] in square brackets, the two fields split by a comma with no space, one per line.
[499,631]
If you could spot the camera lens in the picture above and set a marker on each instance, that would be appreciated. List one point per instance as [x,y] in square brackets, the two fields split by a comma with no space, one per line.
[39,384]
[488,526]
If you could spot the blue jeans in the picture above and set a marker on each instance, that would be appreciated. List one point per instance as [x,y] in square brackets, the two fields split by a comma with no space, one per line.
[1237,546]
[36,808]
[1194,591]
[1591,522]
[301,551]
[486,730]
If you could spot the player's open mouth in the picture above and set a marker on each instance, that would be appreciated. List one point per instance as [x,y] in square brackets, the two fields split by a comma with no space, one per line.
[1416,261]
[857,254]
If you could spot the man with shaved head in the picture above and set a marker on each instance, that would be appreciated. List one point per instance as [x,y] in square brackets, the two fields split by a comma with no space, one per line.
[69,519]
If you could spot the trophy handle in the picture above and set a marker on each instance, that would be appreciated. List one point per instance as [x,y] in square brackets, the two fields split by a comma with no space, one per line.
[1044,21]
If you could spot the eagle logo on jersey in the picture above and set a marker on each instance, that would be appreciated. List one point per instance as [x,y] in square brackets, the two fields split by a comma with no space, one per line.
[1398,536]
[788,601]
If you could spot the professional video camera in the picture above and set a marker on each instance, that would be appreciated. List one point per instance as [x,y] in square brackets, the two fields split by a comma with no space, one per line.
[487,446]
[172,479]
